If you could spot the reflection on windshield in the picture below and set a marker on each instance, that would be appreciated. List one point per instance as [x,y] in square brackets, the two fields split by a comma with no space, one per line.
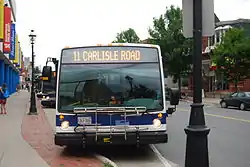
[104,85]
[248,94]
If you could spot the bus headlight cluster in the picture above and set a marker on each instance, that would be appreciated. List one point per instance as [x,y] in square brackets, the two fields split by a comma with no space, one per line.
[157,123]
[64,124]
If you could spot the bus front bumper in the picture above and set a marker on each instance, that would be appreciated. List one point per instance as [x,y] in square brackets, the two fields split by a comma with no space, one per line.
[140,138]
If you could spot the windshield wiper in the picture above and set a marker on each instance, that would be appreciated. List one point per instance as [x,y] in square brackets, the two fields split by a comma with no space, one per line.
[131,110]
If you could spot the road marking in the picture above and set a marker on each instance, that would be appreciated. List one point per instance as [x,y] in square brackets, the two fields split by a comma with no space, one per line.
[220,116]
[225,117]
[161,158]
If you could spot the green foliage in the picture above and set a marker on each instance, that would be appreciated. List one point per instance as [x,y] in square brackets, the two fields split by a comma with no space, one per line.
[107,165]
[176,50]
[232,56]
[128,36]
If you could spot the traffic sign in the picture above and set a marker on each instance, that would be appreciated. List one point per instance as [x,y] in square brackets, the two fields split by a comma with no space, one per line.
[208,24]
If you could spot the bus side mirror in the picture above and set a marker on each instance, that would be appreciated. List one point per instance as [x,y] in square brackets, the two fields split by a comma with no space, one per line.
[174,96]
[47,72]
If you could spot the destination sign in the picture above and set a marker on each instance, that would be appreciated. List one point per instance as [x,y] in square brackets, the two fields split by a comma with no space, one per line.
[109,54]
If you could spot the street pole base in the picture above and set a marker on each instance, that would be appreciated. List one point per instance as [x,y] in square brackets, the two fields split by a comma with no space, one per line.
[31,113]
[197,142]
[33,109]
[197,146]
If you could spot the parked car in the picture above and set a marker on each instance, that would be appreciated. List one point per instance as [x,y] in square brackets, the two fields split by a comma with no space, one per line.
[237,99]
[49,100]
[41,95]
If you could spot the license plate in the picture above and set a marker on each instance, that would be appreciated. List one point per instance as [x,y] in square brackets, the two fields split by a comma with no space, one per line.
[84,120]
[106,140]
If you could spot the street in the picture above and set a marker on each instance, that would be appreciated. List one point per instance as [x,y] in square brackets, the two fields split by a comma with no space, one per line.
[228,138]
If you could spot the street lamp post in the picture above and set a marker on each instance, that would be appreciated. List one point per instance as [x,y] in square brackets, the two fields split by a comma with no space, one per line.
[197,131]
[33,109]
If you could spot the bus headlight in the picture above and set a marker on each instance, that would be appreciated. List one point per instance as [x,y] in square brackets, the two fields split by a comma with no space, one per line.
[64,125]
[47,97]
[157,123]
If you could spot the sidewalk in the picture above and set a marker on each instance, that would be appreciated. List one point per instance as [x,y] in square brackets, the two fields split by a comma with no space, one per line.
[38,132]
[204,100]
[27,141]
[14,151]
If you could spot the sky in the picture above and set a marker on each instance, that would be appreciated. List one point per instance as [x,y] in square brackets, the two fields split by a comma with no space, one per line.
[60,23]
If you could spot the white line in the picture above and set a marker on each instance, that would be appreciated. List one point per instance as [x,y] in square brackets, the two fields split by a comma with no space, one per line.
[162,159]
[105,160]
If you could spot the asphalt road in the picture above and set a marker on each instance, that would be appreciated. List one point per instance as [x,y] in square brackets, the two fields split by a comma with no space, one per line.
[228,139]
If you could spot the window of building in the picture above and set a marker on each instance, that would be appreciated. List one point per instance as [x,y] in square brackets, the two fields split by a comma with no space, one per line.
[211,40]
[217,37]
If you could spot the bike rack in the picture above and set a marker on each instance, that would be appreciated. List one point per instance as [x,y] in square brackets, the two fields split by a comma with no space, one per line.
[123,111]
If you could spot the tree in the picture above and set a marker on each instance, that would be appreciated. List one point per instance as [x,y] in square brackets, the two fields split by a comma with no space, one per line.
[232,56]
[128,36]
[167,33]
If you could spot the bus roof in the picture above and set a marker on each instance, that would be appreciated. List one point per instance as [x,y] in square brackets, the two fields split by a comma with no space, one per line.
[117,44]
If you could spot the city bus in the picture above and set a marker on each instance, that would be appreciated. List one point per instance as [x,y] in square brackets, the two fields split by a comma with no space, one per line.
[112,94]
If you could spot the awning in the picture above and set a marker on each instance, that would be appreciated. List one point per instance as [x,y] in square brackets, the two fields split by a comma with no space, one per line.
[7,61]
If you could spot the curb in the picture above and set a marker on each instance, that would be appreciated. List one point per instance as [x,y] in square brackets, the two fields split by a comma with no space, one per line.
[164,161]
[207,103]
[105,160]
[46,149]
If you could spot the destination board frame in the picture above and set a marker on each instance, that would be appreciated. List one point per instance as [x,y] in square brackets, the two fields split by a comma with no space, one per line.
[110,54]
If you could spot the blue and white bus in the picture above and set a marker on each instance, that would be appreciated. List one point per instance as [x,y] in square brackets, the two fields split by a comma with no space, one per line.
[111,94]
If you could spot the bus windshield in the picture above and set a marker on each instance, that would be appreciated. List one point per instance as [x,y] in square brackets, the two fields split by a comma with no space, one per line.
[110,84]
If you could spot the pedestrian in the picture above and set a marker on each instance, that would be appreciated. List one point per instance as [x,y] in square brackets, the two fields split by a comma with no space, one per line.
[4,95]
[18,88]
[28,87]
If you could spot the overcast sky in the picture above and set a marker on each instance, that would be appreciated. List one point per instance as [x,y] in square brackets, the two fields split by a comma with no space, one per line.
[60,23]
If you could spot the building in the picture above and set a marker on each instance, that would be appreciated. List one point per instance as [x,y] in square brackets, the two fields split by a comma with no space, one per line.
[210,79]
[11,55]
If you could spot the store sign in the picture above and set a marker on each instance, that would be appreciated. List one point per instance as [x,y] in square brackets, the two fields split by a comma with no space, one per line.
[7,31]
[12,42]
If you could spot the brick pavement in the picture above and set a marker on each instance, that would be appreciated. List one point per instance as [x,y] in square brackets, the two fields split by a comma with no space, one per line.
[38,132]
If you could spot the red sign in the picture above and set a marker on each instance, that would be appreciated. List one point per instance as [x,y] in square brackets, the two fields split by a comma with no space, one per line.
[7,29]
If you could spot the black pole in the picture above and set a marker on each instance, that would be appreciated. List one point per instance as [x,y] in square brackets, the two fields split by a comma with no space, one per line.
[33,109]
[56,70]
[197,131]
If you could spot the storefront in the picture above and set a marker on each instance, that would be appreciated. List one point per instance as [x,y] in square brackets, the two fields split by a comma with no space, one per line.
[9,74]
[10,50]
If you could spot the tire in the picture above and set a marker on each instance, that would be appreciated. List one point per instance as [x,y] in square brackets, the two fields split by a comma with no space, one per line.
[242,106]
[223,104]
